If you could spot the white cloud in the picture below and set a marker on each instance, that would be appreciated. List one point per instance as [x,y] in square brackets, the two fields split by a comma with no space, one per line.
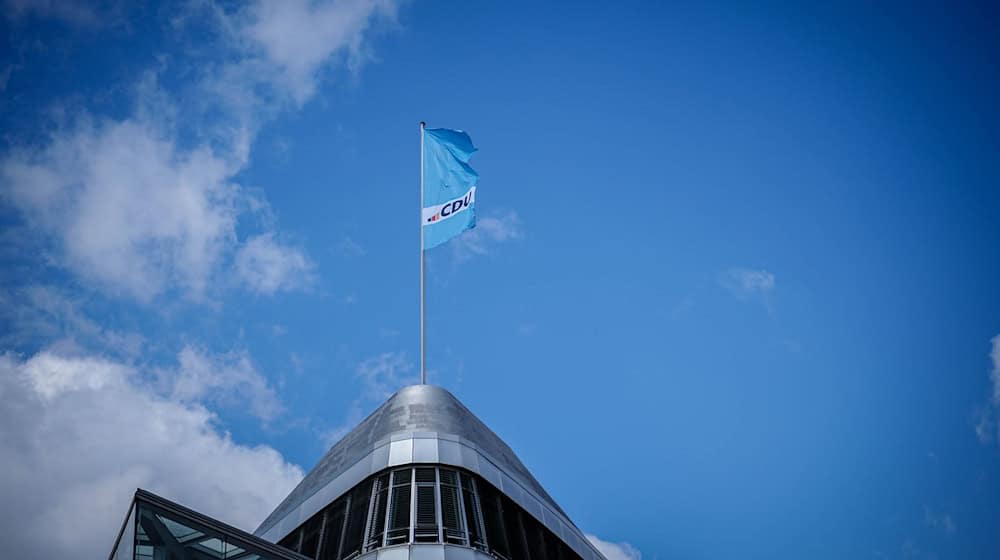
[80,434]
[988,416]
[129,210]
[986,425]
[348,247]
[615,551]
[746,282]
[265,266]
[995,372]
[135,210]
[136,215]
[296,38]
[385,374]
[43,313]
[489,231]
[227,379]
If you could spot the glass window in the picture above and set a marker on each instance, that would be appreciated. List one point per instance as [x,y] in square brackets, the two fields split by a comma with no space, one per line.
[310,536]
[426,527]
[399,508]
[291,542]
[451,509]
[515,529]
[536,545]
[472,507]
[333,530]
[496,532]
[357,513]
[430,505]
[376,513]
[125,549]
[161,534]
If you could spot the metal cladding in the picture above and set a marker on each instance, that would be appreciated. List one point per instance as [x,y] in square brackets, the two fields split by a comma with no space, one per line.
[421,424]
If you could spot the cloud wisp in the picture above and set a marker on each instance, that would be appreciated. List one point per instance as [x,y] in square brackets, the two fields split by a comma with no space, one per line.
[988,416]
[995,371]
[226,379]
[265,266]
[745,283]
[615,551]
[489,232]
[939,521]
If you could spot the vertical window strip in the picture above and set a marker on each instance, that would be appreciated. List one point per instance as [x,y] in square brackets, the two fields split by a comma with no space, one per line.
[437,504]
[369,515]
[452,518]
[375,534]
[397,525]
[413,507]
[322,530]
[333,530]
[463,518]
[343,528]
[390,493]
[473,510]
[427,524]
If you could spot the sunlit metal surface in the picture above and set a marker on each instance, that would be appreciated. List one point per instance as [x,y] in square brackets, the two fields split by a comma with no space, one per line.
[421,424]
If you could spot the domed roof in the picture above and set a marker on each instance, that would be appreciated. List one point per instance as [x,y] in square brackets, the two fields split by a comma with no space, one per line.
[417,410]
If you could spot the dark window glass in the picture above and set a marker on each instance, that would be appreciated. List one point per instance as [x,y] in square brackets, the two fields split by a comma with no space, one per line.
[553,550]
[333,531]
[451,509]
[535,536]
[449,477]
[357,512]
[451,517]
[291,542]
[425,502]
[515,530]
[376,513]
[399,508]
[310,536]
[473,512]
[425,474]
[496,532]
[426,529]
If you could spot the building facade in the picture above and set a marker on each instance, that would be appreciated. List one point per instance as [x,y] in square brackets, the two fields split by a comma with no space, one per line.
[421,478]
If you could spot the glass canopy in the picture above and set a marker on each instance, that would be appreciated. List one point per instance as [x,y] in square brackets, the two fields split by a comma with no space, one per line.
[158,529]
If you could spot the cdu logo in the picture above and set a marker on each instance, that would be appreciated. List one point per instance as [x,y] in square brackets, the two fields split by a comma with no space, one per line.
[450,208]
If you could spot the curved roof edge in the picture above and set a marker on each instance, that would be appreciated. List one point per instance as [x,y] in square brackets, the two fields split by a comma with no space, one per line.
[421,424]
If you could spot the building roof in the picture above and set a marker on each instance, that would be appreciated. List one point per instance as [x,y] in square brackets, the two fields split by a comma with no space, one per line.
[421,424]
[417,408]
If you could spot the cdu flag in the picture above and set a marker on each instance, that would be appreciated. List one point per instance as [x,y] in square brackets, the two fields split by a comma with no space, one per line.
[449,186]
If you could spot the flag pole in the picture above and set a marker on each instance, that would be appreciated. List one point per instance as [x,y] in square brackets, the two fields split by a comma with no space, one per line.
[423,343]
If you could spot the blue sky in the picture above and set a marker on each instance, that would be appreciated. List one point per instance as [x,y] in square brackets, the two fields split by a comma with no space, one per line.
[733,292]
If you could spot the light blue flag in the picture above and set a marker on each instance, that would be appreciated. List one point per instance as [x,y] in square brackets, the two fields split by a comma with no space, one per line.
[449,185]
